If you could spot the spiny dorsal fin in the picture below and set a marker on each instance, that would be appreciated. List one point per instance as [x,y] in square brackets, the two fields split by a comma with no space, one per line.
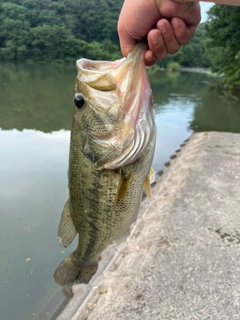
[66,230]
[150,178]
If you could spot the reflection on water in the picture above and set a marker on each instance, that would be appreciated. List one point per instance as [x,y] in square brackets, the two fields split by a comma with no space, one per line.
[36,96]
[33,189]
[35,118]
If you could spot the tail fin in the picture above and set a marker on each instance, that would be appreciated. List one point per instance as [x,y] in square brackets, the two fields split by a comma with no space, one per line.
[70,271]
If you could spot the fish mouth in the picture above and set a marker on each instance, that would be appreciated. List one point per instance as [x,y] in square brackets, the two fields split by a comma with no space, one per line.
[128,79]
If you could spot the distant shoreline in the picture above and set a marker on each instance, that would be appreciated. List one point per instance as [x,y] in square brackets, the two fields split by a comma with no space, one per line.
[196,69]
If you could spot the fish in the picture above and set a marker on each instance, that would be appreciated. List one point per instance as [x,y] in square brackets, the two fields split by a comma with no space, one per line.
[112,146]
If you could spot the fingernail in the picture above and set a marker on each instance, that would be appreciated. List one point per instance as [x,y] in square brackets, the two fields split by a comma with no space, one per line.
[155,38]
[175,23]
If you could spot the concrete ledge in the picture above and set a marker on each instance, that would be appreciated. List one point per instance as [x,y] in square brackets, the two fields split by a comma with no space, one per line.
[181,261]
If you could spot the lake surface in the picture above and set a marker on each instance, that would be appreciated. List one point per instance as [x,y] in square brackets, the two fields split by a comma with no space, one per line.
[36,106]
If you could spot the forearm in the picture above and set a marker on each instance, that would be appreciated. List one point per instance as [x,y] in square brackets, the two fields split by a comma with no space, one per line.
[227,2]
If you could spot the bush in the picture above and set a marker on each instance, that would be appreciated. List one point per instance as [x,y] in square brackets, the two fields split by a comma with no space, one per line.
[173,66]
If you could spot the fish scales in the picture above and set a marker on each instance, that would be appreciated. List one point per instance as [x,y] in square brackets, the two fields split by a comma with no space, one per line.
[94,191]
[111,151]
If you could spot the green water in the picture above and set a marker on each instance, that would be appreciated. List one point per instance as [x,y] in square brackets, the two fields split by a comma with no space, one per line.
[36,104]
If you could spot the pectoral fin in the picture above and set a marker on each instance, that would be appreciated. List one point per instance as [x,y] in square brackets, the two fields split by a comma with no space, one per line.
[150,178]
[124,184]
[66,231]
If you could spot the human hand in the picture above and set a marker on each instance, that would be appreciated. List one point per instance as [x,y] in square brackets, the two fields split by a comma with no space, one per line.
[165,24]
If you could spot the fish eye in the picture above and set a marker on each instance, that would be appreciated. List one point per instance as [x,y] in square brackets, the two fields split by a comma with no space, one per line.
[78,100]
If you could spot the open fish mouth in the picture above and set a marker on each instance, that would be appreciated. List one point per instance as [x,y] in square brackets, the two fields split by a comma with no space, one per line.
[125,84]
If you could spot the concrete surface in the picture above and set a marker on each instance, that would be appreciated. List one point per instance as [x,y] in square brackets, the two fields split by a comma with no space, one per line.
[182,260]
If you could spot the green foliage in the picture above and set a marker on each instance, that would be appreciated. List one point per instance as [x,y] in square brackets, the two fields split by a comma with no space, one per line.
[66,30]
[59,30]
[173,66]
[223,45]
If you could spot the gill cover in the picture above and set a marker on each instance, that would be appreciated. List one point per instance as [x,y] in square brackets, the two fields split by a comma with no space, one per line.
[117,120]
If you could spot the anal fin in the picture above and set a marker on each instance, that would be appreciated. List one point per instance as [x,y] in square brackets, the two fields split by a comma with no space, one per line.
[150,178]
[66,230]
[123,236]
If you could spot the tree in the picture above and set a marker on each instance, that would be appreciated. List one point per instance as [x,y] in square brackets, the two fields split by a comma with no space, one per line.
[59,29]
[53,42]
[193,54]
[223,45]
[14,31]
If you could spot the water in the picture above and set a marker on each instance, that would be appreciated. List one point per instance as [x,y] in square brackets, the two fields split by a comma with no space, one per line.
[35,120]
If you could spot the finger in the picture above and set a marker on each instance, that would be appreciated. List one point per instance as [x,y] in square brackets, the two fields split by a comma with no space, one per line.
[182,32]
[149,58]
[171,43]
[156,44]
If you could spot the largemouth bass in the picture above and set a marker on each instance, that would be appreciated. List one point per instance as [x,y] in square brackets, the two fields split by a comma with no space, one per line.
[111,151]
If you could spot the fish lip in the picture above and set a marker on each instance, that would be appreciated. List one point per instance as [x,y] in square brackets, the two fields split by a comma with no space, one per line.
[101,66]
[92,66]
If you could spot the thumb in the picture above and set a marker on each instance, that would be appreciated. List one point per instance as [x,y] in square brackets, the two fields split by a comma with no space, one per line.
[127,43]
